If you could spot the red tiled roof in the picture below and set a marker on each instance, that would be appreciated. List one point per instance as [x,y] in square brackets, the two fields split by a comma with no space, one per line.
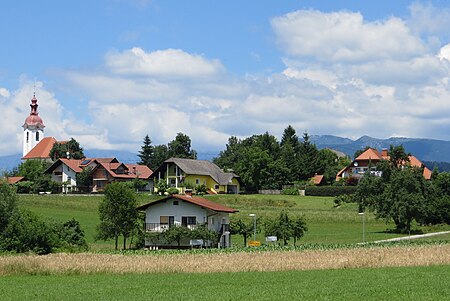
[142,170]
[42,149]
[199,201]
[369,154]
[14,180]
[317,179]
[142,173]
[74,164]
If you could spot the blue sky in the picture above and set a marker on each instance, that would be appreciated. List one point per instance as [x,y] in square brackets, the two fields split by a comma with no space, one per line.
[109,72]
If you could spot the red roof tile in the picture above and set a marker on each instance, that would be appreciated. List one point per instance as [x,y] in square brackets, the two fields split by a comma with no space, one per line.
[42,149]
[317,179]
[199,201]
[14,180]
[369,154]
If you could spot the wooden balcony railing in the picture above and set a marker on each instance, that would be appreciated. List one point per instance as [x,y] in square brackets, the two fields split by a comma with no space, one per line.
[157,227]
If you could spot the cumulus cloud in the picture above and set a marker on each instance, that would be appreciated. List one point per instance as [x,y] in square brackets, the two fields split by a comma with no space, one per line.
[344,37]
[428,19]
[170,62]
[343,75]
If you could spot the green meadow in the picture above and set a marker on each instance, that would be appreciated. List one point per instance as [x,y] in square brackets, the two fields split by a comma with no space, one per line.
[404,283]
[326,223]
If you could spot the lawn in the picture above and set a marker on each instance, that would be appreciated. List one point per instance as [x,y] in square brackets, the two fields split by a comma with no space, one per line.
[326,223]
[406,283]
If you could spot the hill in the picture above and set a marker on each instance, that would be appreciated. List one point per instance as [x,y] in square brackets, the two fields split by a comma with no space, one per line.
[424,149]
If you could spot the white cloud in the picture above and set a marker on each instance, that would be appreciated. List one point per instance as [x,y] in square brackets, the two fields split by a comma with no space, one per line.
[4,93]
[343,76]
[170,62]
[428,19]
[344,37]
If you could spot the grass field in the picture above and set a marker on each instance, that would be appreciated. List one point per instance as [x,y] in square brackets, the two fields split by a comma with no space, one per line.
[406,283]
[326,223]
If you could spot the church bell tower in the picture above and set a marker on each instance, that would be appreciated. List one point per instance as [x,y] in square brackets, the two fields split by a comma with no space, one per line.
[33,128]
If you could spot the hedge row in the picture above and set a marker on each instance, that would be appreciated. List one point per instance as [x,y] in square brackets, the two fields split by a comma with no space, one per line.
[329,190]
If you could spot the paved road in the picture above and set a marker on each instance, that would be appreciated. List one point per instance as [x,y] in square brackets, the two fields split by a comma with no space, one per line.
[412,237]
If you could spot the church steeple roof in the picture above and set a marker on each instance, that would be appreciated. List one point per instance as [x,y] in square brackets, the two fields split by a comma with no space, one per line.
[34,121]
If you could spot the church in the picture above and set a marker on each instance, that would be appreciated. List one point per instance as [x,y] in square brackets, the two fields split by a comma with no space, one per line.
[65,170]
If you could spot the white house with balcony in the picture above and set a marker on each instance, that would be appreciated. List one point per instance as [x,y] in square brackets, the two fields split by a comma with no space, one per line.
[188,211]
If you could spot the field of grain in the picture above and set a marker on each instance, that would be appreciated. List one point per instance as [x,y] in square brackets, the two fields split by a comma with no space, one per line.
[256,261]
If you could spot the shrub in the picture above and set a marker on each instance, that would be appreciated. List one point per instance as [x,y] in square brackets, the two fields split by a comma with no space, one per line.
[172,190]
[329,190]
[343,198]
[200,189]
[290,191]
[24,186]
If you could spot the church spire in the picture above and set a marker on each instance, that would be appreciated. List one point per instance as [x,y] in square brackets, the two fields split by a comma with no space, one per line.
[34,121]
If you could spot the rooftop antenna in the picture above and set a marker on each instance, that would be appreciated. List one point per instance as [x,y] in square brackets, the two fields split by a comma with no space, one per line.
[34,88]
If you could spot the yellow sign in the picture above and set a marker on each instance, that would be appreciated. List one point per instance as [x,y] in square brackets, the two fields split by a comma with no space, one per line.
[254,243]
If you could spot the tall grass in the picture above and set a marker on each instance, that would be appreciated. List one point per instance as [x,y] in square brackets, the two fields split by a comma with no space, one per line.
[90,263]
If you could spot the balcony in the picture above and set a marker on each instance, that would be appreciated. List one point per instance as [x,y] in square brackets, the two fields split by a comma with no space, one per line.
[157,227]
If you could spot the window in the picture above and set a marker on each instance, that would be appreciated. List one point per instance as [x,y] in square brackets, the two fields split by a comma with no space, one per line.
[166,220]
[188,221]
[28,136]
[216,187]
[175,203]
[69,179]
[37,136]
[197,181]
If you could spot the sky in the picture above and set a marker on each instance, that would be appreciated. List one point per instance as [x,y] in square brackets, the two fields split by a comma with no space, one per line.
[109,72]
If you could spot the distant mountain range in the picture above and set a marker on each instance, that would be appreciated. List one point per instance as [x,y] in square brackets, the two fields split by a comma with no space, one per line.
[423,149]
[427,150]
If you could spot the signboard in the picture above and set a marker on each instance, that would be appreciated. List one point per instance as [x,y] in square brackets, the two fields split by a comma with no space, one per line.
[271,239]
[254,243]
[196,242]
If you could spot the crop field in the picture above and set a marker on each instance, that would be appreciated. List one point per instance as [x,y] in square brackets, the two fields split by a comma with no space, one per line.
[326,265]
[326,223]
[405,283]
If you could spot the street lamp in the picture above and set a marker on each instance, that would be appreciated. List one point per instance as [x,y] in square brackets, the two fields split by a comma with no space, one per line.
[363,225]
[254,225]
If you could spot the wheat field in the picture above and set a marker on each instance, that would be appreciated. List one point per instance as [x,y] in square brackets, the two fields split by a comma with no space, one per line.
[91,263]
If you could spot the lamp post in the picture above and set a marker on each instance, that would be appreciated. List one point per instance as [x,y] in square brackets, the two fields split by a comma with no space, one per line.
[254,225]
[363,225]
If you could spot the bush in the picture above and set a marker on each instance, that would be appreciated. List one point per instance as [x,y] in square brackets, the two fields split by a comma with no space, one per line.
[329,190]
[24,186]
[290,191]
[200,189]
[343,198]
[172,190]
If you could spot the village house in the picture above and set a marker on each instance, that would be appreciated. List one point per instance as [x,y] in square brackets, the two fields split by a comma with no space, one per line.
[188,211]
[179,172]
[107,172]
[103,172]
[367,162]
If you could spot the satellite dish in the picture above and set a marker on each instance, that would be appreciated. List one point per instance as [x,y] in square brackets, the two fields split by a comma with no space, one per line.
[355,163]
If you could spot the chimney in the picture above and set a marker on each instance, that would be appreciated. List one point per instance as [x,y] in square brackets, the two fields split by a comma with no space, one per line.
[384,152]
[188,192]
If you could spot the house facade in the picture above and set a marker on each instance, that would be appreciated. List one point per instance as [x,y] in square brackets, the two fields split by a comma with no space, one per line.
[103,172]
[107,172]
[179,173]
[188,211]
[65,171]
[367,162]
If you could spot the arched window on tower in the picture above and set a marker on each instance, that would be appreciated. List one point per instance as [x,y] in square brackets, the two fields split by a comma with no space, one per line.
[37,136]
[28,136]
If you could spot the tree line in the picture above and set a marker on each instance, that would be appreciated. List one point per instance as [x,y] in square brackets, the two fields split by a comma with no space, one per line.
[403,195]
[284,227]
[263,162]
[154,156]
[22,231]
